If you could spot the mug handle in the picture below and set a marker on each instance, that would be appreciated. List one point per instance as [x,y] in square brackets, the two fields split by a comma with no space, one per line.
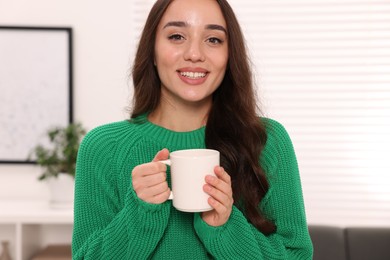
[168,162]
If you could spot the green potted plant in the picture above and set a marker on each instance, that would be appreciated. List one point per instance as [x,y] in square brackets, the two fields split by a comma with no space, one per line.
[58,161]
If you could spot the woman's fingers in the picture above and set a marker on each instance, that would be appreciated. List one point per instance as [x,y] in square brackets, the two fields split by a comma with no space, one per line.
[222,175]
[148,174]
[155,194]
[149,179]
[219,185]
[221,192]
[149,169]
[221,197]
[161,155]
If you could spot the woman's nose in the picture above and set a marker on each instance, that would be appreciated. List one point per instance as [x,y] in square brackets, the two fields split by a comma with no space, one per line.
[194,52]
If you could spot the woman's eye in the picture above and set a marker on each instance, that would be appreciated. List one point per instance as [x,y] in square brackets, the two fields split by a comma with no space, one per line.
[214,40]
[175,37]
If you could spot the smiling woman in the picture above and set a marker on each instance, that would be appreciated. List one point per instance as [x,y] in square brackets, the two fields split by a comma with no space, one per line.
[192,91]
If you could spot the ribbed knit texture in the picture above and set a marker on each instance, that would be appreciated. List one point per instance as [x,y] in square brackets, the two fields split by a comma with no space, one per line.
[111,222]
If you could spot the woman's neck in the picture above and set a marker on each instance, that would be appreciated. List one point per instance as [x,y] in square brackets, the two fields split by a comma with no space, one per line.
[180,118]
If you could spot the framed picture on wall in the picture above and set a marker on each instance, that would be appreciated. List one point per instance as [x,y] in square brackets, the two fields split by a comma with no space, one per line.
[35,87]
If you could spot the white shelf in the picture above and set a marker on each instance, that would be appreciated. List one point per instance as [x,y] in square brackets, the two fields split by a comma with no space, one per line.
[32,225]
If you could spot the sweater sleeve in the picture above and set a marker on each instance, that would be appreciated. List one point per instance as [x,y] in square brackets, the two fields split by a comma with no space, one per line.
[283,203]
[105,228]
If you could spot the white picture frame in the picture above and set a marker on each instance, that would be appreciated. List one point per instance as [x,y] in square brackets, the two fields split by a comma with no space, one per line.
[35,87]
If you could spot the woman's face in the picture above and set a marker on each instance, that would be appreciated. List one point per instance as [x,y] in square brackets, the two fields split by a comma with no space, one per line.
[191,51]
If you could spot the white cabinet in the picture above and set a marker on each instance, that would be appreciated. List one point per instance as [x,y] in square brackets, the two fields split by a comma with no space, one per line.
[29,226]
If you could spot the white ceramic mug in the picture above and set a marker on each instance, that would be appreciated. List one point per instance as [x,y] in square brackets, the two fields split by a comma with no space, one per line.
[188,171]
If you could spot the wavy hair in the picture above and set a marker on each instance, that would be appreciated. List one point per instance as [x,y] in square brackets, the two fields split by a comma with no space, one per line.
[233,127]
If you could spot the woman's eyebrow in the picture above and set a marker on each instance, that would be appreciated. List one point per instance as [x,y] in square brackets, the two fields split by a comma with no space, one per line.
[175,24]
[216,27]
[184,24]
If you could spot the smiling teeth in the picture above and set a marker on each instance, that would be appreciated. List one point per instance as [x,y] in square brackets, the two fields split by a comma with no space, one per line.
[193,75]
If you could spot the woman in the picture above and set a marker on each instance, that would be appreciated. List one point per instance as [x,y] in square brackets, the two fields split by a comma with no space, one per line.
[193,89]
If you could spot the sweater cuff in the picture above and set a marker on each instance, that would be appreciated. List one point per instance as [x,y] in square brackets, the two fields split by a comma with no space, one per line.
[146,206]
[233,240]
[209,233]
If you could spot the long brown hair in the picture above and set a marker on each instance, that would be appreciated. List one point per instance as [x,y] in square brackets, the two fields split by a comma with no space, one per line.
[232,128]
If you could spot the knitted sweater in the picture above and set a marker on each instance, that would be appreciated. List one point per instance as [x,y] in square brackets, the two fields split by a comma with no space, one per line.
[111,222]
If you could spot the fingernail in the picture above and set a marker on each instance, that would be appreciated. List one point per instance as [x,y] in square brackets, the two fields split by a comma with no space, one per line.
[207,188]
[209,178]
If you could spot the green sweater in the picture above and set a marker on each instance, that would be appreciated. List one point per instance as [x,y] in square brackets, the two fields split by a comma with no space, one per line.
[111,222]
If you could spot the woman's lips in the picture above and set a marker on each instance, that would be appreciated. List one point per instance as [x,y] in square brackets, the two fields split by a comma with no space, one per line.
[193,76]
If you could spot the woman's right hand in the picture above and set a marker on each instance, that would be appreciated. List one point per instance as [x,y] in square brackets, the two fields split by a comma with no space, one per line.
[150,179]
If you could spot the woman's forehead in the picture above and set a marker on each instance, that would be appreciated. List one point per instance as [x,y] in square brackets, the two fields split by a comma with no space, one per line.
[194,13]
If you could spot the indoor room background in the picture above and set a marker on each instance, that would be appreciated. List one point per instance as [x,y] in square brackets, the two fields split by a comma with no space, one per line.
[322,69]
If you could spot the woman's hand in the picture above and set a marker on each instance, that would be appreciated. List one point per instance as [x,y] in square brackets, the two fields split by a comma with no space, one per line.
[150,180]
[221,197]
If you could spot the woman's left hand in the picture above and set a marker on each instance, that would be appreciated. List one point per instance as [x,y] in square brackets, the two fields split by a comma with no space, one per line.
[219,188]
